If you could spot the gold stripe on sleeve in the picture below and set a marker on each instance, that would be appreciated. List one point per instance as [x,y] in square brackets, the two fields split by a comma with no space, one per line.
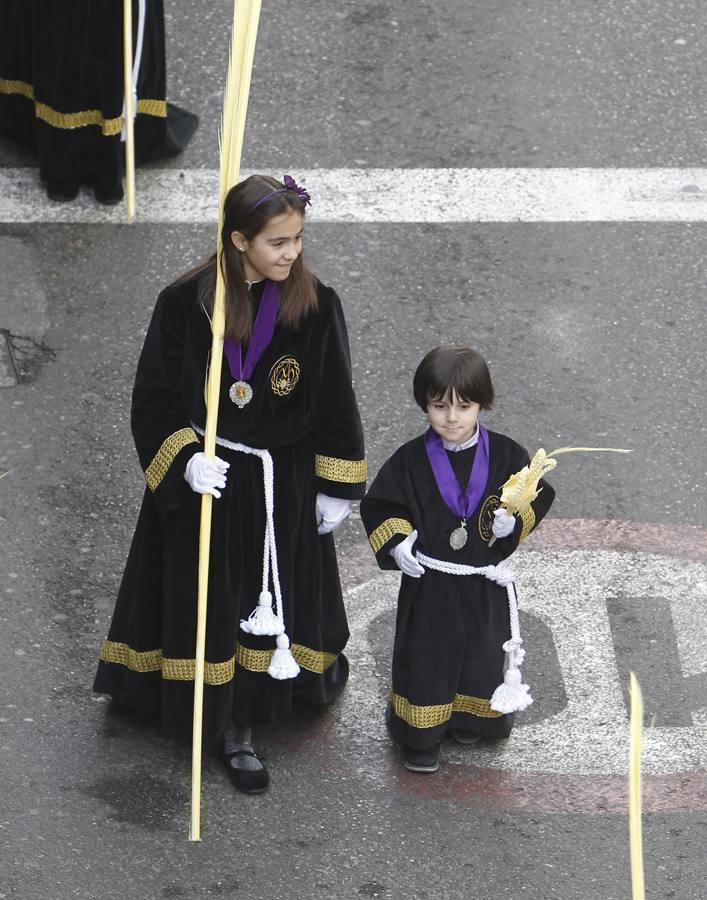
[345,471]
[380,537]
[164,457]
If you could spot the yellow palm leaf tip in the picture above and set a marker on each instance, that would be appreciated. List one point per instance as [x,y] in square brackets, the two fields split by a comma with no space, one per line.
[521,489]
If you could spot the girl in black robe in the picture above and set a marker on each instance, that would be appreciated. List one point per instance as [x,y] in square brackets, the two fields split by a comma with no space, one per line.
[448,657]
[62,90]
[303,411]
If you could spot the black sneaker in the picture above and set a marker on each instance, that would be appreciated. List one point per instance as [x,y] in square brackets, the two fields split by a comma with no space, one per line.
[422,760]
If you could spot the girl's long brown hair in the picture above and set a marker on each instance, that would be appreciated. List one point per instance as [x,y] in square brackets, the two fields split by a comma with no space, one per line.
[299,296]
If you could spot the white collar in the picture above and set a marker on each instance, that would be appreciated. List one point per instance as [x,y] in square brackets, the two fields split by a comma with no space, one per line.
[471,442]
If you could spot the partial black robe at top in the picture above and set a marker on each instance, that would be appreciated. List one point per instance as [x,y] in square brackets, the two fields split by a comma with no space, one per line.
[448,657]
[304,412]
[62,87]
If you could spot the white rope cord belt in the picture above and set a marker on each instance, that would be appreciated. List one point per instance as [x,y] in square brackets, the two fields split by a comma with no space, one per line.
[512,695]
[137,61]
[263,620]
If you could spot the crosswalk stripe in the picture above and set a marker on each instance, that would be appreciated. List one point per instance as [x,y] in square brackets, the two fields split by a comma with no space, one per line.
[189,196]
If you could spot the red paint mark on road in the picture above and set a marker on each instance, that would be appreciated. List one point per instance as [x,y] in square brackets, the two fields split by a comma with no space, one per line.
[593,794]
[685,542]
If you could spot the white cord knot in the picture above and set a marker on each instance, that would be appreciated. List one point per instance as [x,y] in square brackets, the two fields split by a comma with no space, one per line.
[500,574]
[515,646]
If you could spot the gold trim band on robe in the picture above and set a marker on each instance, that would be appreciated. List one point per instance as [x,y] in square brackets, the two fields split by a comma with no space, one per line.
[215,673]
[164,457]
[109,127]
[431,716]
[345,471]
[381,535]
[527,517]
[172,669]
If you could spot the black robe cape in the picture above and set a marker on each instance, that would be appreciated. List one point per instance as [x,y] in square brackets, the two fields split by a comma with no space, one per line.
[448,657]
[62,89]
[304,411]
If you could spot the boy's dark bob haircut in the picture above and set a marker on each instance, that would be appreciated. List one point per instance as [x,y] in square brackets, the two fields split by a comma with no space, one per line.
[453,370]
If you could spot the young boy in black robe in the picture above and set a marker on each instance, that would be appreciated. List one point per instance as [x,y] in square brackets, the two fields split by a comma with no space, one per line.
[438,497]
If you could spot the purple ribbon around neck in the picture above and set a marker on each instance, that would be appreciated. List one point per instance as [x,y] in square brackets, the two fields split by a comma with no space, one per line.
[263,329]
[461,504]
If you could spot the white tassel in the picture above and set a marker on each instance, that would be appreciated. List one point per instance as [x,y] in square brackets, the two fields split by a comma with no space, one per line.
[283,664]
[511,696]
[263,620]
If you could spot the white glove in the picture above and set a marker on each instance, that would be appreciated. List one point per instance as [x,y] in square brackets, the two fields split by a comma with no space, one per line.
[404,558]
[206,475]
[331,511]
[503,523]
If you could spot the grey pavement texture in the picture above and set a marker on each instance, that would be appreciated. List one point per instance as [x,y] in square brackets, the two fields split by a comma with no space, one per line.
[595,333]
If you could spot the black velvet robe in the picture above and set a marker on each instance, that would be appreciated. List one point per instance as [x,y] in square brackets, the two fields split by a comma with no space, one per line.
[448,657]
[309,421]
[61,87]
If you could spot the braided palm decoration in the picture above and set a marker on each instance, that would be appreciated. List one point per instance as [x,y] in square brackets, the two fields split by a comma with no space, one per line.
[521,489]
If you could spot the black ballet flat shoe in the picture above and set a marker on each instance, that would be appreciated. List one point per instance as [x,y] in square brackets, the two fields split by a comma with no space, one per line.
[425,761]
[62,191]
[249,781]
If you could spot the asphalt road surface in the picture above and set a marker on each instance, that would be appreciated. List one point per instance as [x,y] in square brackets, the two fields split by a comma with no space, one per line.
[595,330]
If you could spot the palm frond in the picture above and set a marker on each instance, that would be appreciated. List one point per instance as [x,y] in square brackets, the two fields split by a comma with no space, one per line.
[235,106]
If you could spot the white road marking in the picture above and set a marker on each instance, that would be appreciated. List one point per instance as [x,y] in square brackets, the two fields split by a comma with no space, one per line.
[568,591]
[396,195]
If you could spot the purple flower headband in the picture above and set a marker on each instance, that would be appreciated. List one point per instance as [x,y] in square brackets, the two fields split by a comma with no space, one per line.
[290,185]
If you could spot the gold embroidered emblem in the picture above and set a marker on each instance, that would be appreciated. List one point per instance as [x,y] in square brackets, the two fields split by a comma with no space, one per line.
[486,517]
[284,375]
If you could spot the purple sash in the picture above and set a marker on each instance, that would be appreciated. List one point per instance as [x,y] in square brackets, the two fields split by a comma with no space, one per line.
[461,504]
[263,329]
